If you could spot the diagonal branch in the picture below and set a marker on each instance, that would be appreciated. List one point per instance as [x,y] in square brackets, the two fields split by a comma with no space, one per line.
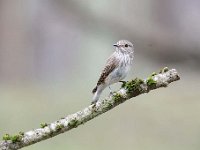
[128,90]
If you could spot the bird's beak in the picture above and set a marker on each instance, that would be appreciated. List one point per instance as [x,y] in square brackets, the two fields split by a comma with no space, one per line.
[116,45]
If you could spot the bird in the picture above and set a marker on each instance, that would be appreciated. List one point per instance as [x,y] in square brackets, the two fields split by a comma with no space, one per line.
[116,68]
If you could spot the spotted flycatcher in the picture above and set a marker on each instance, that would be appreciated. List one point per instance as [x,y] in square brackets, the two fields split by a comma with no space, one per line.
[116,68]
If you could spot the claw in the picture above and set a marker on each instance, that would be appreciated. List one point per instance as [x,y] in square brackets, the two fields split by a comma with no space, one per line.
[123,83]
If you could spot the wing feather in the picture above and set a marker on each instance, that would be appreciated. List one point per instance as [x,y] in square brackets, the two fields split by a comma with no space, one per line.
[111,64]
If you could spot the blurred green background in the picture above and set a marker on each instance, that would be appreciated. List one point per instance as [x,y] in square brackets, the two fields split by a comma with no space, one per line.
[51,55]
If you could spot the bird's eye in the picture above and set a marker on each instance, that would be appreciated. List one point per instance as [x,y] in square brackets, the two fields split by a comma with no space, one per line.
[126,45]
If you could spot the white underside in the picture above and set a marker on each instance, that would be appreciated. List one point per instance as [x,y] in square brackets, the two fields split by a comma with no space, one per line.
[115,76]
[118,74]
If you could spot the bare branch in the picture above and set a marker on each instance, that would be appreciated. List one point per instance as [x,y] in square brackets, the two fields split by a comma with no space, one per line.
[128,90]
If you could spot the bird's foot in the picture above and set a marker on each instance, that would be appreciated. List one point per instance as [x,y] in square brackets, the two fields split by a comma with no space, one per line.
[123,83]
[93,102]
[111,92]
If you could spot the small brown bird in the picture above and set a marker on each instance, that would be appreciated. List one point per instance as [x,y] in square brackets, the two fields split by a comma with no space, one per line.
[116,68]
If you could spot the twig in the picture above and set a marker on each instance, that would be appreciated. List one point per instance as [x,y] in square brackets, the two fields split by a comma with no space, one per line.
[128,90]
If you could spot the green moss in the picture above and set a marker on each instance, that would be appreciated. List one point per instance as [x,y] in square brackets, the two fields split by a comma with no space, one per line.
[6,137]
[50,133]
[73,123]
[21,133]
[109,105]
[165,69]
[133,85]
[153,74]
[117,97]
[43,125]
[123,84]
[59,127]
[151,81]
[16,138]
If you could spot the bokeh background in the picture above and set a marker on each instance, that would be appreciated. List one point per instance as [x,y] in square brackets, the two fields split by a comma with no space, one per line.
[51,55]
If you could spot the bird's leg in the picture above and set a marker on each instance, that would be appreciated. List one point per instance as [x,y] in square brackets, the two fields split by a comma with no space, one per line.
[111,93]
[123,83]
[93,102]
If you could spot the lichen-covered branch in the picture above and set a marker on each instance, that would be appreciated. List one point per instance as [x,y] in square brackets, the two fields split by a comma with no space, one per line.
[128,90]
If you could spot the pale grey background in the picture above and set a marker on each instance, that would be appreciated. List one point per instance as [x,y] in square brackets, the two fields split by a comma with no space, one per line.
[51,55]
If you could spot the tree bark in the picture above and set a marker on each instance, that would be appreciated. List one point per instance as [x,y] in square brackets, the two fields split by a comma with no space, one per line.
[128,90]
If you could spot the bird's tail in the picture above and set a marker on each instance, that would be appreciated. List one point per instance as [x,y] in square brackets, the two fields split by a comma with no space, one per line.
[94,90]
[97,92]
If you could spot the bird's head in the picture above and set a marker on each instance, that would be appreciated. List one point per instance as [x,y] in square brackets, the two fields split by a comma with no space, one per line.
[124,46]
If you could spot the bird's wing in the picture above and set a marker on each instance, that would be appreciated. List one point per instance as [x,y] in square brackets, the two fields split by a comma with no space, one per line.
[111,64]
